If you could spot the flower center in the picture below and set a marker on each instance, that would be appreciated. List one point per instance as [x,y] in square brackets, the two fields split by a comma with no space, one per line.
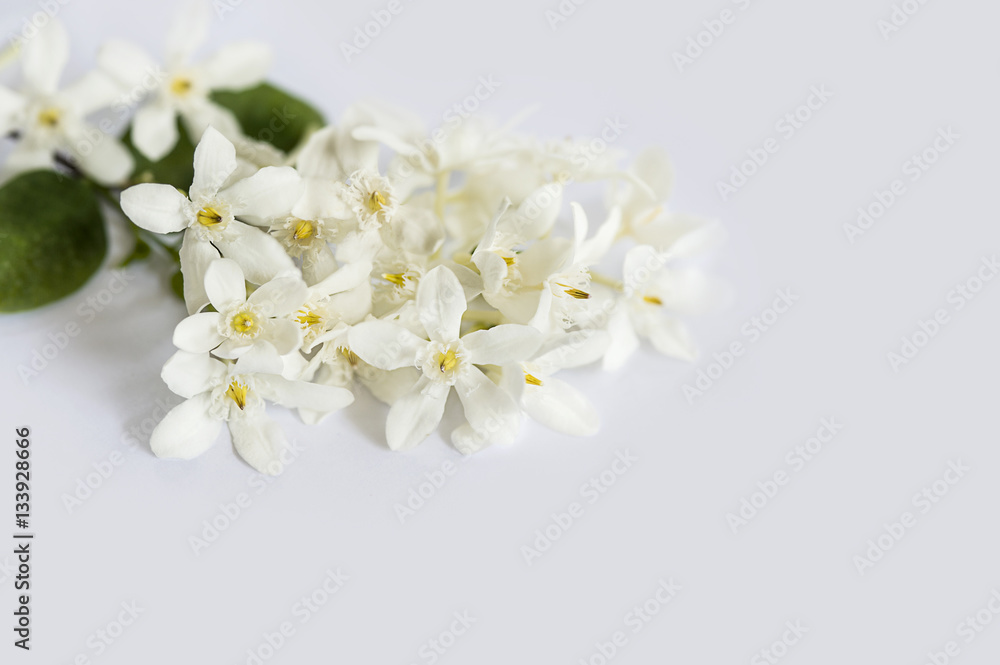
[49,117]
[398,278]
[238,393]
[303,230]
[447,361]
[181,86]
[574,292]
[376,201]
[350,355]
[652,300]
[308,318]
[244,323]
[209,216]
[532,380]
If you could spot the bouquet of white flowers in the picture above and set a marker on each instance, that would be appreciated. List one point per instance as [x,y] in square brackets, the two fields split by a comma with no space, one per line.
[314,259]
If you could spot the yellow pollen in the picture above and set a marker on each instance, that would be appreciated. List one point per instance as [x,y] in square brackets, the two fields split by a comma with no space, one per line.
[652,300]
[376,201]
[49,117]
[209,216]
[238,393]
[307,318]
[509,260]
[244,323]
[532,380]
[180,86]
[303,230]
[399,278]
[575,293]
[447,360]
[350,355]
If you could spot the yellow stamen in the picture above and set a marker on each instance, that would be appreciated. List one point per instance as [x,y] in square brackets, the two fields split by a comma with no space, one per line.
[532,380]
[652,300]
[575,293]
[399,278]
[509,260]
[303,230]
[244,323]
[209,216]
[238,393]
[350,355]
[180,86]
[447,360]
[49,117]
[307,318]
[376,201]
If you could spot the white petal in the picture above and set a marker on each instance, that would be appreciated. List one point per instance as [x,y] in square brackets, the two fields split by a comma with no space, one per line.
[94,90]
[415,415]
[574,349]
[284,335]
[126,63]
[303,395]
[346,278]
[187,430]
[384,344]
[441,303]
[106,160]
[561,407]
[260,256]
[268,194]
[44,58]
[188,374]
[259,441]
[389,386]
[214,161]
[502,344]
[156,208]
[154,130]
[280,296]
[624,341]
[490,411]
[237,65]
[672,338]
[224,284]
[196,255]
[187,31]
[198,333]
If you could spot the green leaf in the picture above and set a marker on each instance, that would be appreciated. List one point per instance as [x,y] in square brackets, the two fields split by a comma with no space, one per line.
[139,252]
[177,284]
[51,239]
[271,115]
[176,168]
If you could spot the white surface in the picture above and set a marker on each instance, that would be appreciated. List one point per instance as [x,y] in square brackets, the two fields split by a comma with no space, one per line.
[664,518]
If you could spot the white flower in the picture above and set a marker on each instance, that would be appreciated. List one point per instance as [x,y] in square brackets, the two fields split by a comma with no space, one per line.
[240,325]
[209,217]
[50,122]
[655,296]
[184,87]
[446,359]
[216,392]
[343,297]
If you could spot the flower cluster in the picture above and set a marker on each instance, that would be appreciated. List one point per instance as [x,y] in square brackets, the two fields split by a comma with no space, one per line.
[374,254]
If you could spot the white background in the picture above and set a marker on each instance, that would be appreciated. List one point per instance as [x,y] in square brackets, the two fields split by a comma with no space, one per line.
[666,516]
